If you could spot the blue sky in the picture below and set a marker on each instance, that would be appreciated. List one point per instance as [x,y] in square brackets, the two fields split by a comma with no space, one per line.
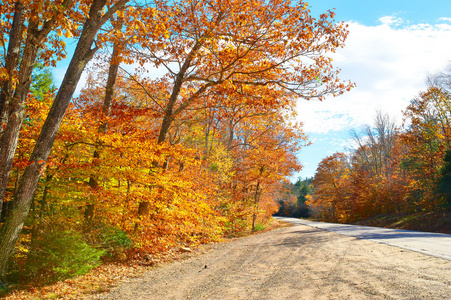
[368,12]
[391,48]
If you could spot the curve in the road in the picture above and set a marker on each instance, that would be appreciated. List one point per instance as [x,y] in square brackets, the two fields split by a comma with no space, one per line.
[434,244]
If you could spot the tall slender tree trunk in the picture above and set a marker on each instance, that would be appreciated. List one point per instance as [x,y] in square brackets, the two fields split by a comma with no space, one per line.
[13,225]
[37,218]
[12,100]
[168,117]
[256,201]
[10,113]
[106,111]
[11,61]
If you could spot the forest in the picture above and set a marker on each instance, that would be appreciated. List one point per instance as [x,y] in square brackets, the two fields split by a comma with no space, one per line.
[391,169]
[184,132]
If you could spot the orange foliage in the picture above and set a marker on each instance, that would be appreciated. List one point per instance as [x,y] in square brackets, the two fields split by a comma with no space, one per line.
[394,172]
[205,146]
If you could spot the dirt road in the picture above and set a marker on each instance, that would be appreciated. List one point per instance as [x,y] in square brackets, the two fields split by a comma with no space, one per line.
[297,262]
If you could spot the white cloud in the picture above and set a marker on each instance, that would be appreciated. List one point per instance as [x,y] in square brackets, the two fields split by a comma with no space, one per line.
[389,66]
[444,26]
[391,20]
[445,19]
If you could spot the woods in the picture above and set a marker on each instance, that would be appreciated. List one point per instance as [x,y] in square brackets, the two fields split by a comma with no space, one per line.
[183,133]
[391,169]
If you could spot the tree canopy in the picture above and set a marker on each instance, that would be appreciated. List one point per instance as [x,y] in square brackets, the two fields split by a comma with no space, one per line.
[138,162]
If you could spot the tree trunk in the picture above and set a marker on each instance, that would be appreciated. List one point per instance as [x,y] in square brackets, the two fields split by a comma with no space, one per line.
[37,221]
[169,111]
[11,62]
[106,110]
[12,227]
[12,103]
[168,117]
[11,113]
[256,200]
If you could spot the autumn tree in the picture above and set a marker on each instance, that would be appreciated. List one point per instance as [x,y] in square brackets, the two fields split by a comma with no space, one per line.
[114,63]
[426,140]
[329,190]
[172,158]
[264,149]
[39,20]
[375,162]
[396,170]
[27,37]
[444,182]
[364,182]
[264,52]
[376,145]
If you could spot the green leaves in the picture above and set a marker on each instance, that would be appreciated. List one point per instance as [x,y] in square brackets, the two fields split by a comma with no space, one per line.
[62,254]
[42,82]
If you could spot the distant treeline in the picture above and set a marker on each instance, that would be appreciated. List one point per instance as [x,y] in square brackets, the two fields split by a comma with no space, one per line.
[292,203]
[392,169]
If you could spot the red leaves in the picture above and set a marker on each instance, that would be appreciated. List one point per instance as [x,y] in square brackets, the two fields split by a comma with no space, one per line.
[191,154]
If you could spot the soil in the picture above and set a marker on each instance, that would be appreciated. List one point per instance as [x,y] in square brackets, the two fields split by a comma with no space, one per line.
[297,262]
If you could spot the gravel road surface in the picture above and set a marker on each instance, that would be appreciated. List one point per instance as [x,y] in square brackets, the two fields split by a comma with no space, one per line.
[299,262]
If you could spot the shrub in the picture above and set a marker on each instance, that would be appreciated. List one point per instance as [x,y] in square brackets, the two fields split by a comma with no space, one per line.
[115,241]
[62,254]
[259,227]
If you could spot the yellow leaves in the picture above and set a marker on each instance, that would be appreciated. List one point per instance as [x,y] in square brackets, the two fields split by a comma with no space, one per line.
[309,199]
[68,34]
[230,141]
[120,13]
[4,73]
[228,84]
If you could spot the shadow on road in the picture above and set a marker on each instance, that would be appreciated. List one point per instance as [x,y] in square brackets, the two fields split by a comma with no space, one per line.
[384,234]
